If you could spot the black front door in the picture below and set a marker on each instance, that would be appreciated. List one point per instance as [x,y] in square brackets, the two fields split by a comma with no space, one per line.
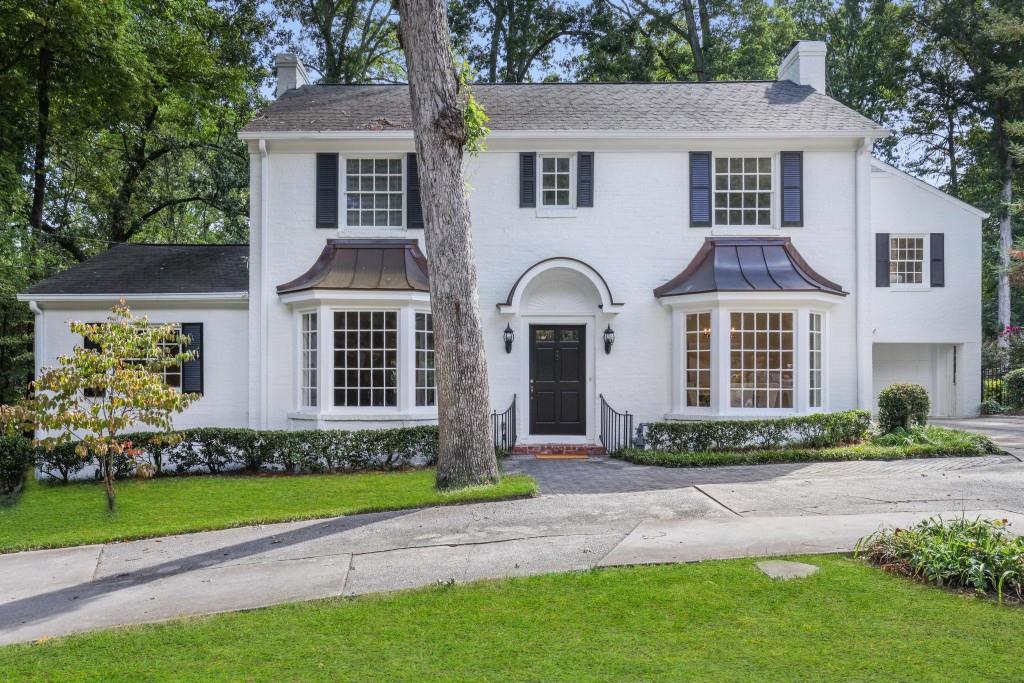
[558,386]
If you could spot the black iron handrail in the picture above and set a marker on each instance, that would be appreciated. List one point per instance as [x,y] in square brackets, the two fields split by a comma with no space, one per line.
[616,428]
[503,427]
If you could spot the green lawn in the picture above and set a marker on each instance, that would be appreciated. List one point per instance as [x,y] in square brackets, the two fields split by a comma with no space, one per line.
[50,515]
[714,621]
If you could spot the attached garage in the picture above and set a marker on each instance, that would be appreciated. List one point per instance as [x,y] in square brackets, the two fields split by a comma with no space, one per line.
[933,366]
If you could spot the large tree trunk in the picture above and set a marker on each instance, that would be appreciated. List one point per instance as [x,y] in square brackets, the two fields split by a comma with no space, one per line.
[466,450]
[1005,232]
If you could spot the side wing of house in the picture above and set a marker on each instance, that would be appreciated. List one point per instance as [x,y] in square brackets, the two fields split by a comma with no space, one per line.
[926,302]
[202,289]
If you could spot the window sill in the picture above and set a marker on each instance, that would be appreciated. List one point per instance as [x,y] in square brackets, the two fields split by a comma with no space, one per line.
[388,416]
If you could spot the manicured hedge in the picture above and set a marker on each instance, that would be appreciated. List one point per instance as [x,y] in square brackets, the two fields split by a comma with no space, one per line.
[16,456]
[902,406]
[811,431]
[215,450]
[1013,382]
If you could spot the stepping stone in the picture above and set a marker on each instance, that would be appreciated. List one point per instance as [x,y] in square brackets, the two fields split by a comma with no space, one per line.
[785,570]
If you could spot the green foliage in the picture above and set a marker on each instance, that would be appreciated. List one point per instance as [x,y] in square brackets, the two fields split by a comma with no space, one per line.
[95,395]
[980,555]
[17,455]
[818,430]
[1013,388]
[902,406]
[942,440]
[474,117]
[60,462]
[991,407]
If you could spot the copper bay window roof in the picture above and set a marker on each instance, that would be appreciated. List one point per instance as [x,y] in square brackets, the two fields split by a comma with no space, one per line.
[365,264]
[747,264]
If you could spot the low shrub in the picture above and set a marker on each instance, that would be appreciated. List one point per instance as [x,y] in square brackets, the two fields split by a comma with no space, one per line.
[991,407]
[1013,388]
[942,439]
[809,431]
[902,406]
[979,555]
[61,462]
[17,455]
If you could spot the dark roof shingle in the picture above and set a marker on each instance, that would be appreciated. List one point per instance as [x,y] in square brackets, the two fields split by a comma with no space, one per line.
[155,269]
[759,106]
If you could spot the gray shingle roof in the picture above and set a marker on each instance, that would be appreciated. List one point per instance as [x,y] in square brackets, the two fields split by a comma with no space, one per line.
[155,269]
[768,106]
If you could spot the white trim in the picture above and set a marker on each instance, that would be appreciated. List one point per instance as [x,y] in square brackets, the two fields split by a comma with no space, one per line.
[348,296]
[756,301]
[926,263]
[882,166]
[629,133]
[74,298]
[608,305]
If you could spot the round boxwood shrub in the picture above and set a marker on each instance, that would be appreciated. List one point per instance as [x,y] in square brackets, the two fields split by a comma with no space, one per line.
[900,406]
[991,407]
[1013,388]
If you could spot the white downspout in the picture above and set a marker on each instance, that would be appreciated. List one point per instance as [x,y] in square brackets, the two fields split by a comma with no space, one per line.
[261,303]
[865,276]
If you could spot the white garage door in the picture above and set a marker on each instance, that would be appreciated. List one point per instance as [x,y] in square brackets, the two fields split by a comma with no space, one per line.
[930,365]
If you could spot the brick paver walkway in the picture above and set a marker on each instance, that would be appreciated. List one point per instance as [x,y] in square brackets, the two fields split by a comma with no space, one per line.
[608,475]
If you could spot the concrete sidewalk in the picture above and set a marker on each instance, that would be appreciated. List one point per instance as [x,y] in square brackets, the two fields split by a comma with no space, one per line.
[802,509]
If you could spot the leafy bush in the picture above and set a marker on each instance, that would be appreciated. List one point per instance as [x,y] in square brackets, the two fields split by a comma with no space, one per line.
[1013,383]
[17,454]
[991,407]
[975,554]
[943,440]
[810,431]
[60,462]
[902,406]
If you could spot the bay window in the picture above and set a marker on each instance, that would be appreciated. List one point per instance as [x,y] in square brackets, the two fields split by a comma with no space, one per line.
[365,358]
[426,392]
[814,358]
[698,360]
[761,360]
[309,383]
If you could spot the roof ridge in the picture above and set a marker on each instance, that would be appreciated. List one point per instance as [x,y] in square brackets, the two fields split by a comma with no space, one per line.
[181,244]
[546,83]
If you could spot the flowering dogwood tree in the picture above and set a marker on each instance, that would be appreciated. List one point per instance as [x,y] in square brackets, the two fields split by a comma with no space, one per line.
[103,390]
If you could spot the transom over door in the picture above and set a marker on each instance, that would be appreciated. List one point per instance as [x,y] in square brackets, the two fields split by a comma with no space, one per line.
[558,371]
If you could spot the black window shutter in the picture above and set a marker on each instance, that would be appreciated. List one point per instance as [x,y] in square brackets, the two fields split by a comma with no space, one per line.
[192,370]
[91,345]
[938,249]
[327,190]
[527,179]
[585,179]
[700,189]
[792,189]
[882,259]
[413,208]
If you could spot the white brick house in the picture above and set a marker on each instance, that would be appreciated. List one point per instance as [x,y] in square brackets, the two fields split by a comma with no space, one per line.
[737,240]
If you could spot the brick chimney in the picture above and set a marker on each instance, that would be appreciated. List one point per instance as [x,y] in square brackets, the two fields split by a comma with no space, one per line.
[805,64]
[290,73]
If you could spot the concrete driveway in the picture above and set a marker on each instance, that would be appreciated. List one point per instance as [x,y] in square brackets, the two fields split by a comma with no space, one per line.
[726,512]
[1006,430]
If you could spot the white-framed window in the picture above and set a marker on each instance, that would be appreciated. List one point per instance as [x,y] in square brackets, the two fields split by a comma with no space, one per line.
[698,360]
[373,192]
[814,351]
[743,190]
[761,350]
[309,363]
[365,359]
[556,181]
[426,388]
[906,260]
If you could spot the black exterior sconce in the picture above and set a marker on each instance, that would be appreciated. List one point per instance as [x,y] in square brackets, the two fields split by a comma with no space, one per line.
[609,339]
[509,337]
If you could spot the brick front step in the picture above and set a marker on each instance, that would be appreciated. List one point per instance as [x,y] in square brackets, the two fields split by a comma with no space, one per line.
[553,450]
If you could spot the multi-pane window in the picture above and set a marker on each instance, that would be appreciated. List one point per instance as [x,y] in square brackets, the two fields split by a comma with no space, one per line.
[366,358]
[556,181]
[814,356]
[373,192]
[172,373]
[906,260]
[698,360]
[743,190]
[761,360]
[426,392]
[308,372]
